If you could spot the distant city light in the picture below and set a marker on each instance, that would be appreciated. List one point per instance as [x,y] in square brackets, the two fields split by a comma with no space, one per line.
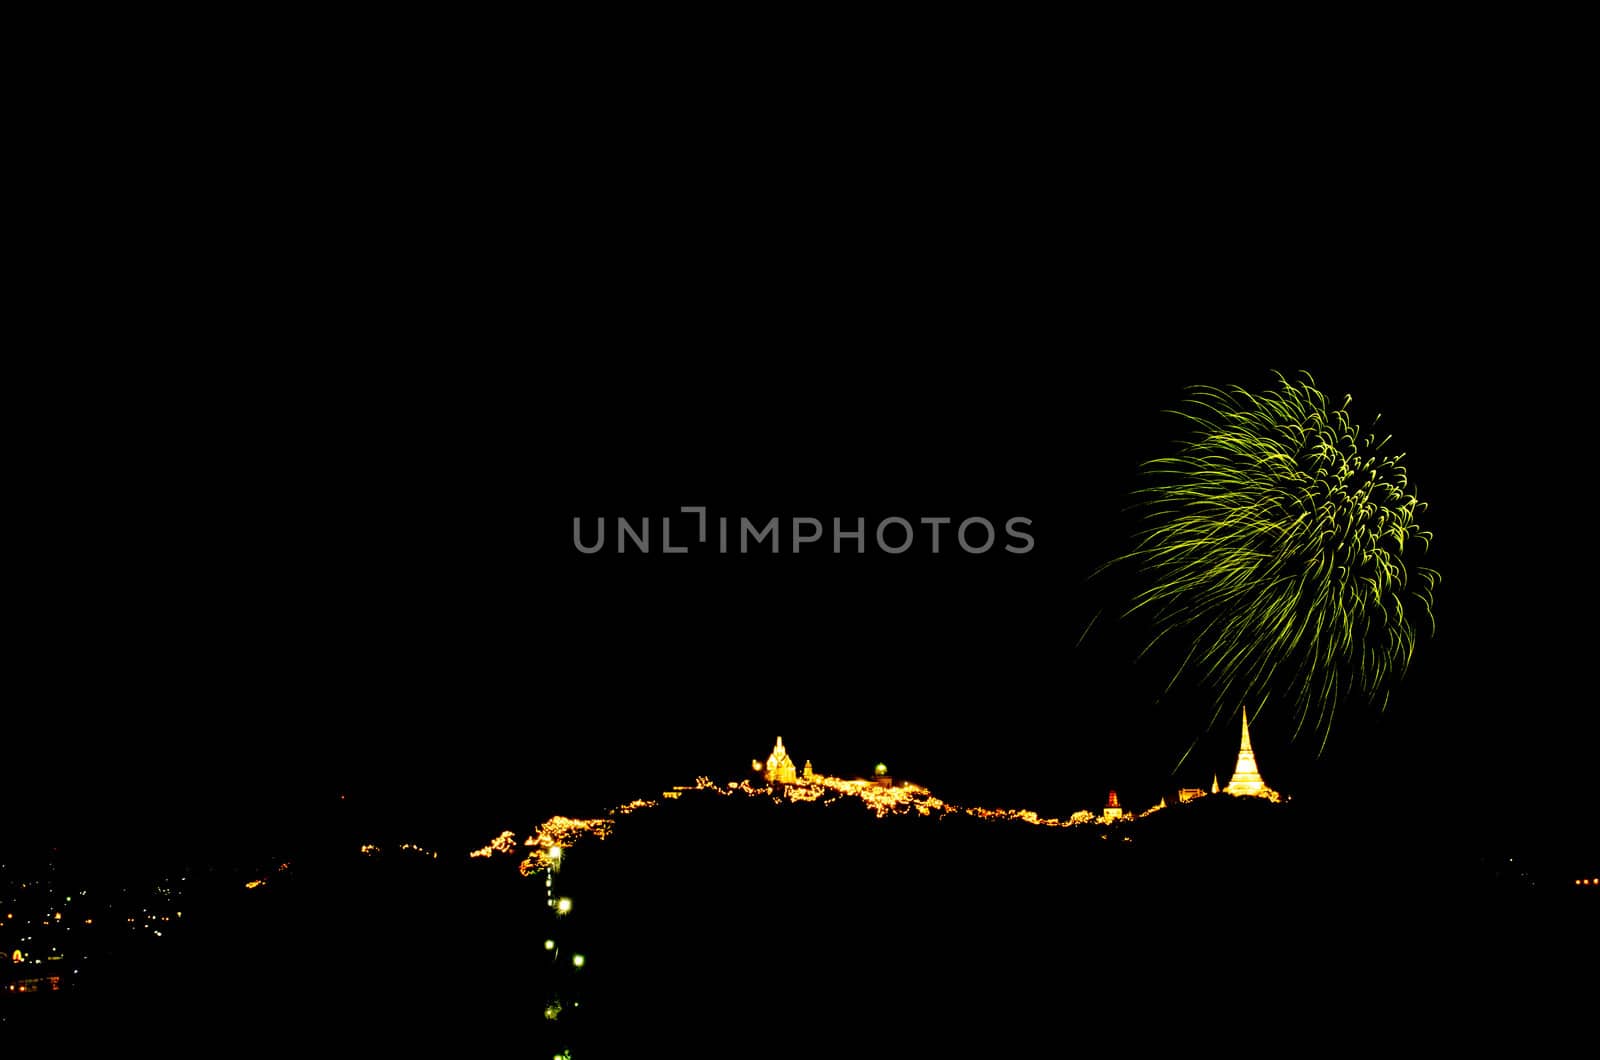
[880,770]
[549,944]
[577,960]
[564,906]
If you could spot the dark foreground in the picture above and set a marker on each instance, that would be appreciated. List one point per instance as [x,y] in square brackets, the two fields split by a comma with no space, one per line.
[716,928]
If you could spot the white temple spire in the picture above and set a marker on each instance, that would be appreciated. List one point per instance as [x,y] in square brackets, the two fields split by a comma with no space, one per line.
[1246,777]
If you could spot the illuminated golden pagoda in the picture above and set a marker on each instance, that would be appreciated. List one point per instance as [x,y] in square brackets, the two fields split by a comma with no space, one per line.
[1246,778]
[780,767]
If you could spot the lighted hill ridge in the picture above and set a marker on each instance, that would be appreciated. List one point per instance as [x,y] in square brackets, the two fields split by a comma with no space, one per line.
[560,833]
[714,919]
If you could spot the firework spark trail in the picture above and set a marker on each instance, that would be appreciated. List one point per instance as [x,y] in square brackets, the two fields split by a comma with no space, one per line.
[1277,545]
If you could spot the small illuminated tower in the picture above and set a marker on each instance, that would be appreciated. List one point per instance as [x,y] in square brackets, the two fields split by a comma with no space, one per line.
[1113,807]
[1246,778]
[780,767]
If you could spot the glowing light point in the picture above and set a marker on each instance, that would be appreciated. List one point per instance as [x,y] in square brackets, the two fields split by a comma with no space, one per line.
[563,906]
[880,770]
[549,944]
[578,960]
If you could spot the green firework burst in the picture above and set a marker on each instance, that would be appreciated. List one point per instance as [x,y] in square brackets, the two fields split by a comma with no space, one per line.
[1278,545]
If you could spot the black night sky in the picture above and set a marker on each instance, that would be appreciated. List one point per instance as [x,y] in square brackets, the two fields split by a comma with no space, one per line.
[363,581]
[300,566]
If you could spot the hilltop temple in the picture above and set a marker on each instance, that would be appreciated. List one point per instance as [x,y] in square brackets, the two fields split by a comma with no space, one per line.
[1246,778]
[780,767]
